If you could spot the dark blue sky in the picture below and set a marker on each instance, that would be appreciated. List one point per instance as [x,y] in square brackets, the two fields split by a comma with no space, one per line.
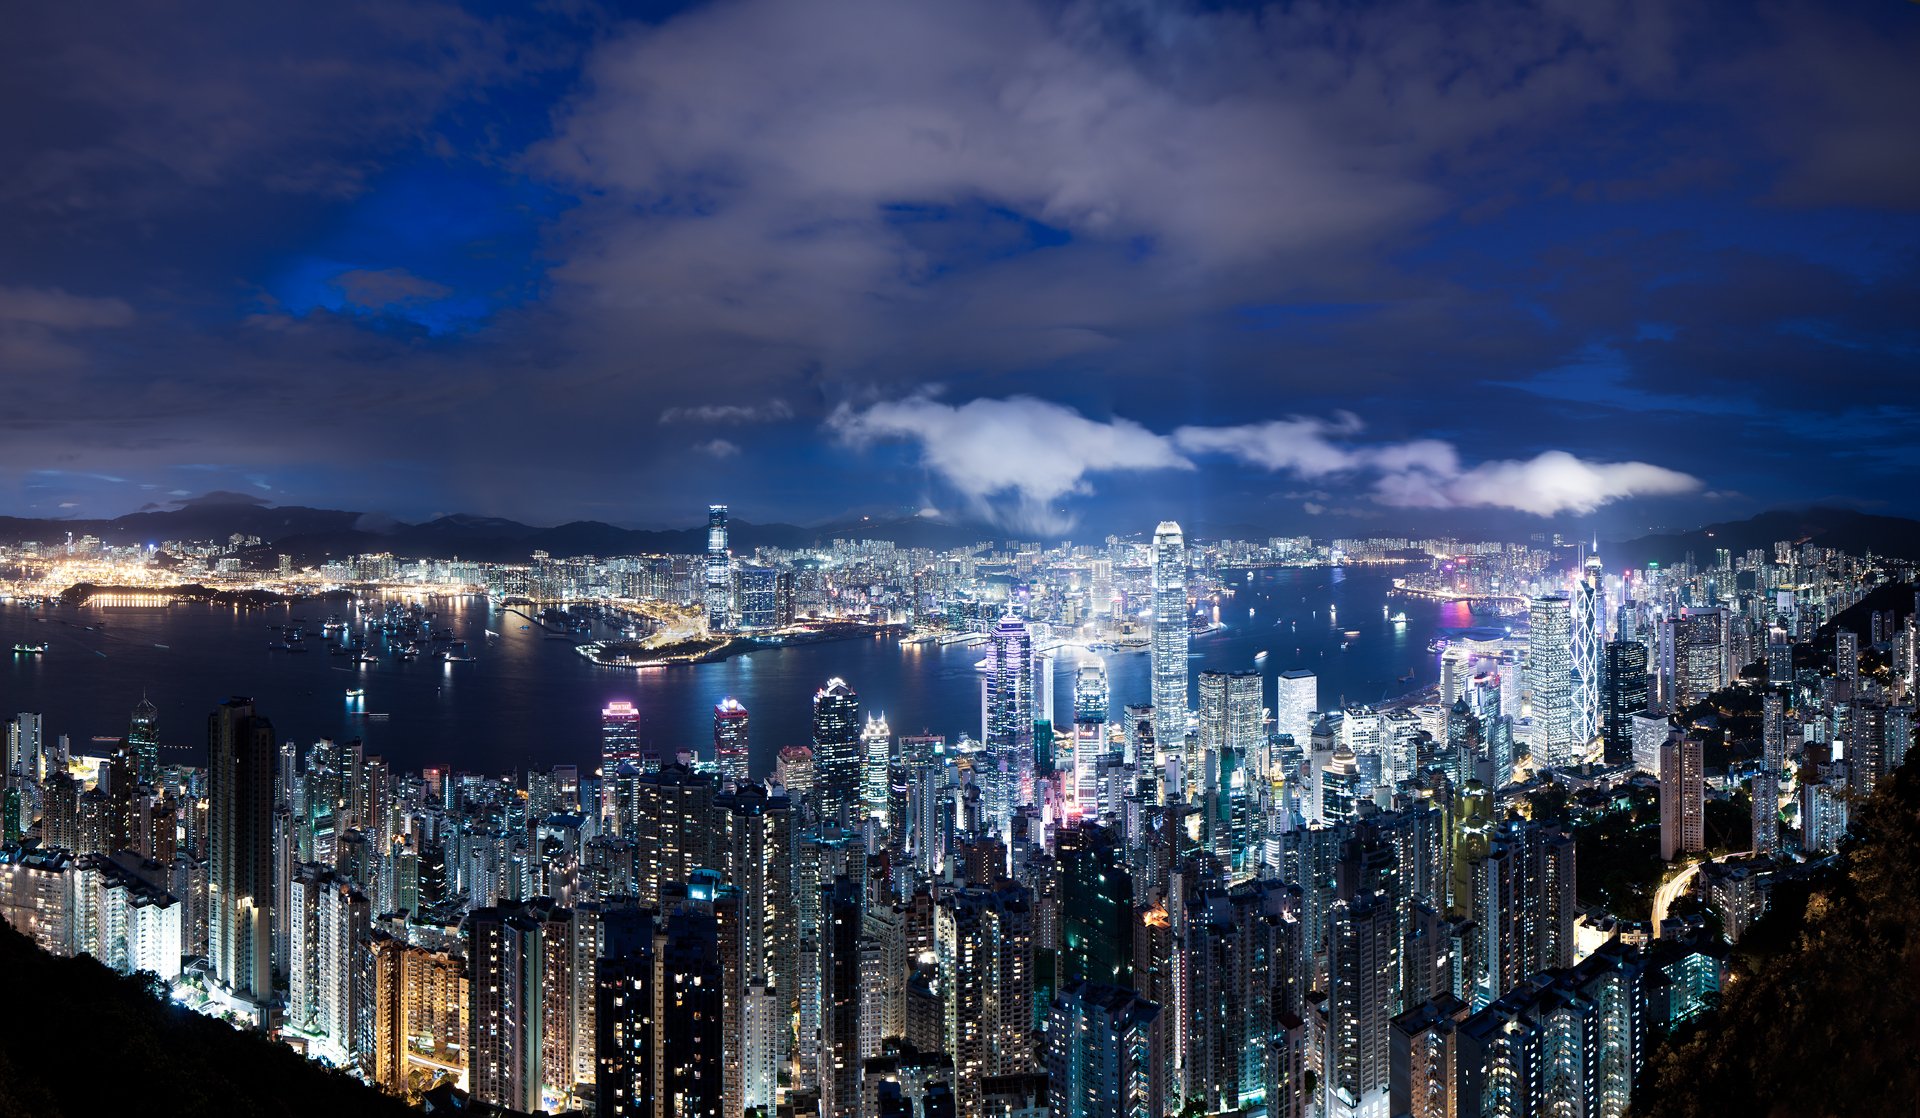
[1314,267]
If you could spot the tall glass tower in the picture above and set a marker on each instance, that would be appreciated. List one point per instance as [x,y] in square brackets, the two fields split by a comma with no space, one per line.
[143,740]
[836,750]
[717,597]
[1550,681]
[730,750]
[1588,634]
[1090,699]
[1169,648]
[1009,715]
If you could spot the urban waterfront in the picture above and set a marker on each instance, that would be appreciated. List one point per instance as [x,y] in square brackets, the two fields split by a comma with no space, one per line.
[527,700]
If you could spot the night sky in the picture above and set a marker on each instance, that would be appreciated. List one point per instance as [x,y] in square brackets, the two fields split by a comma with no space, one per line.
[1318,267]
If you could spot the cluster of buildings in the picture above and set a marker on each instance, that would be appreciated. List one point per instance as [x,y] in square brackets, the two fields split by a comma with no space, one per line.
[1218,899]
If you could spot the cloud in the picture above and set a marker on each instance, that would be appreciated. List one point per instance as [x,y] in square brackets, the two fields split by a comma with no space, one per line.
[1548,484]
[1033,453]
[770,412]
[377,289]
[57,310]
[1014,459]
[718,448]
[1302,446]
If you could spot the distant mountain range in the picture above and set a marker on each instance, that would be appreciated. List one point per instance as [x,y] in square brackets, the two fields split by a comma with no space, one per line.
[312,535]
[1843,529]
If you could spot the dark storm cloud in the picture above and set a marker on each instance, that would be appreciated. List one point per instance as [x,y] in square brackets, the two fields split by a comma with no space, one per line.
[422,257]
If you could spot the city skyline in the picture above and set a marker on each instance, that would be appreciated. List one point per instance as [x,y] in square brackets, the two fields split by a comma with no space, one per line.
[1317,266]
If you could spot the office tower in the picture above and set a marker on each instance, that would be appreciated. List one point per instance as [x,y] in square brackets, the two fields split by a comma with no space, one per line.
[876,760]
[1589,629]
[836,751]
[718,582]
[240,771]
[143,741]
[619,736]
[1170,635]
[1296,699]
[1102,1044]
[1625,694]
[1650,732]
[1096,906]
[1090,705]
[1682,797]
[730,740]
[1699,656]
[1550,682]
[1360,952]
[984,946]
[1339,787]
[506,952]
[1007,726]
[1231,715]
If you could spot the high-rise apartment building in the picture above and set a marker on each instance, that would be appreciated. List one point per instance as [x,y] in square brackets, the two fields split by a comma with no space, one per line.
[730,750]
[240,772]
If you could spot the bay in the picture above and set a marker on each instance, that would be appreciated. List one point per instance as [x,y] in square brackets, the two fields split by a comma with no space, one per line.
[530,701]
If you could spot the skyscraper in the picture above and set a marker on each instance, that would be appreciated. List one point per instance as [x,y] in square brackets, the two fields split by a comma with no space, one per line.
[1550,682]
[1090,699]
[836,750]
[143,740]
[876,758]
[1625,694]
[240,757]
[730,740]
[1682,797]
[1699,656]
[1589,608]
[1170,636]
[619,735]
[1102,1044]
[717,597]
[1296,698]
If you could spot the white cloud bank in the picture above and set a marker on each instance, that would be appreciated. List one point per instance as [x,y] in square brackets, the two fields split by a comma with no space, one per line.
[1015,459]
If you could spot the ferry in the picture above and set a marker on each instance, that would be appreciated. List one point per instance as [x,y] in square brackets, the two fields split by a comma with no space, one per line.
[356,692]
[24,649]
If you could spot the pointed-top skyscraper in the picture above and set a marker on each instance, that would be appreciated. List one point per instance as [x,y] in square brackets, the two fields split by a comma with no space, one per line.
[1170,637]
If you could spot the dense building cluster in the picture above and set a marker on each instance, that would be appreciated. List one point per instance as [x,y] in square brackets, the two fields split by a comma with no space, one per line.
[1219,900]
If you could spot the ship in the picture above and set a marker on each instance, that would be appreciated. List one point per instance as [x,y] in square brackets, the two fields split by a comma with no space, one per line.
[356,692]
[24,649]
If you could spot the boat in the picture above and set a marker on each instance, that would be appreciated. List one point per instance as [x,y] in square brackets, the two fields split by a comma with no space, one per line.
[1399,619]
[356,692]
[1260,657]
[24,649]
[1350,634]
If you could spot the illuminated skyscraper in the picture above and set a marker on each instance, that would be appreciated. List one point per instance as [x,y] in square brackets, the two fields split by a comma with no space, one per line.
[1624,694]
[730,740]
[619,734]
[1550,682]
[836,751]
[876,749]
[1682,797]
[1090,699]
[1589,607]
[1296,698]
[1170,636]
[143,740]
[719,581]
[240,758]
[1008,729]
[1699,656]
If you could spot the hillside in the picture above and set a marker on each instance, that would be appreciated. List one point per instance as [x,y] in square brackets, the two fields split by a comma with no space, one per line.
[78,1040]
[1843,529]
[1820,1020]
